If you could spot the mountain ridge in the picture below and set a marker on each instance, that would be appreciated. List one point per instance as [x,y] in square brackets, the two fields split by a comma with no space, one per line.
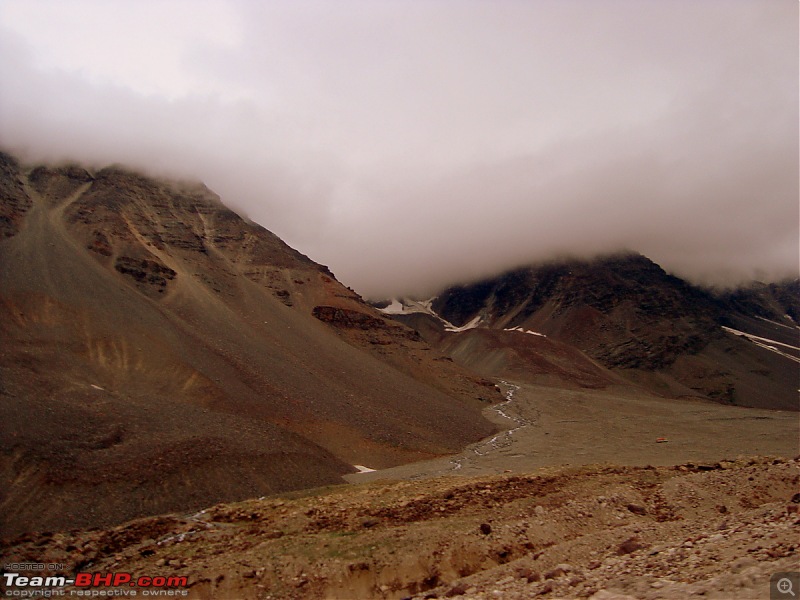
[634,319]
[161,353]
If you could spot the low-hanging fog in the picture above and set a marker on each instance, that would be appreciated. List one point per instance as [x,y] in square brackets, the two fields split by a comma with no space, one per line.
[412,144]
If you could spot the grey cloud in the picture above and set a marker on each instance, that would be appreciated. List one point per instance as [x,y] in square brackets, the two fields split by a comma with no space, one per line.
[412,145]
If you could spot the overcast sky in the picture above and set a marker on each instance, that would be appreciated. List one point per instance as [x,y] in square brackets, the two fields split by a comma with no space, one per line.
[410,144]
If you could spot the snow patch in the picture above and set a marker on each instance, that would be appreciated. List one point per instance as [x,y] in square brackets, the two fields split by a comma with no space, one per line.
[471,325]
[765,343]
[528,331]
[780,324]
[363,469]
[406,306]
[395,308]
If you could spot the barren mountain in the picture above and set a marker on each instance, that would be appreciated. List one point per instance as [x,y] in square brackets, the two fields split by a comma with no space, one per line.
[161,353]
[622,317]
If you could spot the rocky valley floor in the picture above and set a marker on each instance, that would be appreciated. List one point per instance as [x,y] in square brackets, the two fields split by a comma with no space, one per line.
[712,530]
[548,426]
[710,512]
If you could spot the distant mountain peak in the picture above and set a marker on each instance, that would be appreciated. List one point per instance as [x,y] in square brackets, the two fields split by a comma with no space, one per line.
[628,314]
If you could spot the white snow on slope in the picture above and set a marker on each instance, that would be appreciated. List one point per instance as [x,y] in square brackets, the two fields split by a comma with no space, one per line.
[363,469]
[528,331]
[780,324]
[395,308]
[471,325]
[765,343]
[406,306]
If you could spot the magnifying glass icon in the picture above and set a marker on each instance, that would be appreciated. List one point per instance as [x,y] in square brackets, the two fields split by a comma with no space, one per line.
[785,586]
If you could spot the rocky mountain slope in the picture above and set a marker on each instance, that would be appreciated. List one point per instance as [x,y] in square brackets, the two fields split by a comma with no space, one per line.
[633,321]
[774,301]
[163,356]
[162,353]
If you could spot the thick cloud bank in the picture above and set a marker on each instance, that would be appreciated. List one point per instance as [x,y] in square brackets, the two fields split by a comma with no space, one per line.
[409,145]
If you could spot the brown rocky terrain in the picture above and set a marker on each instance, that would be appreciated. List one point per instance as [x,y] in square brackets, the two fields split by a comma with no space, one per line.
[716,530]
[577,500]
[161,353]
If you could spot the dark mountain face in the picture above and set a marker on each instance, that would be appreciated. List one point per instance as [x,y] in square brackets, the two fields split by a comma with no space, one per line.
[160,353]
[15,201]
[624,311]
[774,301]
[629,315]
